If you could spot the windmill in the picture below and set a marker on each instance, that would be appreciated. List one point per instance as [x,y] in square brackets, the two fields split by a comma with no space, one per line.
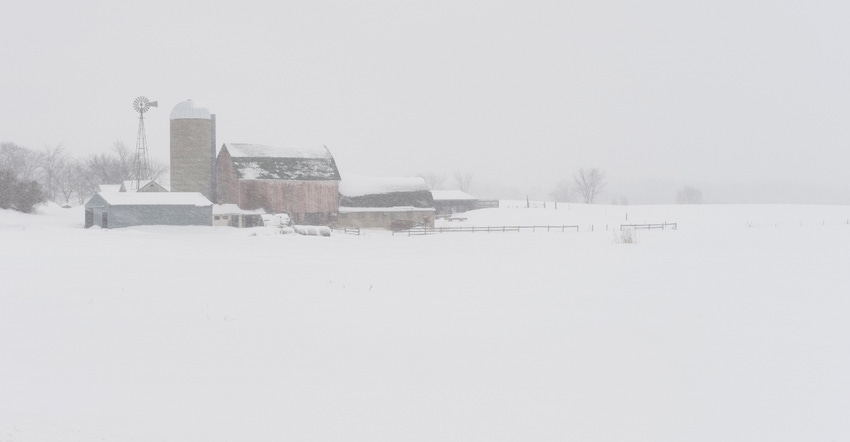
[142,163]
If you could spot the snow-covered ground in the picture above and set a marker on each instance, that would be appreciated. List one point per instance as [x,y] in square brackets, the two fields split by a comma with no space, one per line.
[733,327]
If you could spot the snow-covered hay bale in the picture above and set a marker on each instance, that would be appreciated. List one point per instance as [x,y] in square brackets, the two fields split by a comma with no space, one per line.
[313,230]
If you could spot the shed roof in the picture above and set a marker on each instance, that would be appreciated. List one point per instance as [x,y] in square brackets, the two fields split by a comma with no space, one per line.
[355,185]
[231,209]
[385,209]
[452,195]
[259,162]
[155,199]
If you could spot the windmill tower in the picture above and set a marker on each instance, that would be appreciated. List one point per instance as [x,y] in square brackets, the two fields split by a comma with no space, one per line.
[142,162]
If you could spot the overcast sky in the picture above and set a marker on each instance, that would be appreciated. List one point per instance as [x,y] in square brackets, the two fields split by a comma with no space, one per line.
[719,94]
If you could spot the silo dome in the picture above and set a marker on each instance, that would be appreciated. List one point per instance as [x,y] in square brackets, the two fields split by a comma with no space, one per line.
[190,110]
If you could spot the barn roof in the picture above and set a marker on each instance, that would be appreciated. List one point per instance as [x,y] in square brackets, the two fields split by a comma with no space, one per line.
[452,195]
[358,191]
[260,162]
[155,199]
[355,185]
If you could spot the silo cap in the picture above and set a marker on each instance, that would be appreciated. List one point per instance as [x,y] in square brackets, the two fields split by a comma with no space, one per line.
[190,110]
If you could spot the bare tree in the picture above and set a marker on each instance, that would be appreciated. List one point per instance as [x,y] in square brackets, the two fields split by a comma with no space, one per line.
[463,180]
[54,162]
[434,181]
[19,187]
[589,183]
[23,162]
[562,191]
[158,169]
[81,184]
[689,195]
[126,160]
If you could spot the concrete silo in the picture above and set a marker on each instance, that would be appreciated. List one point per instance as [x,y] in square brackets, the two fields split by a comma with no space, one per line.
[193,149]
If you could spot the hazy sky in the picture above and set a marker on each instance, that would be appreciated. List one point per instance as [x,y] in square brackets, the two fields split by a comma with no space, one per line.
[720,94]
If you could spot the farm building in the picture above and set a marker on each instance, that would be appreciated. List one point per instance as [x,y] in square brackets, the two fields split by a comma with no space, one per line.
[109,188]
[389,203]
[231,215]
[447,202]
[192,149]
[126,209]
[303,183]
[142,186]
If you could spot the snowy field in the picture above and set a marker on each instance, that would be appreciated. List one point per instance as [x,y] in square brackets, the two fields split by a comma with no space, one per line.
[733,327]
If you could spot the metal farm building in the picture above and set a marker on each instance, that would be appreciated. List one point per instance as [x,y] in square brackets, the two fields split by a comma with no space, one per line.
[303,183]
[126,209]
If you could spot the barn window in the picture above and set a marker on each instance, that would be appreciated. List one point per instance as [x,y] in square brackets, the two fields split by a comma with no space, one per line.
[217,217]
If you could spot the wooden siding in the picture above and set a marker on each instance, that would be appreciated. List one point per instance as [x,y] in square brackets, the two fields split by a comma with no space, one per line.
[292,197]
[306,202]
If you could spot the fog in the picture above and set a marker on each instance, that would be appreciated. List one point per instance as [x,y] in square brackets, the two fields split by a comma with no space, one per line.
[746,100]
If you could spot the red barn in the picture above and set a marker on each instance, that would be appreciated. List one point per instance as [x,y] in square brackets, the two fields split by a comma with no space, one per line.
[303,183]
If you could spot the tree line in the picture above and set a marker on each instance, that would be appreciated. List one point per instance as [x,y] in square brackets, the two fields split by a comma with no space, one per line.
[30,177]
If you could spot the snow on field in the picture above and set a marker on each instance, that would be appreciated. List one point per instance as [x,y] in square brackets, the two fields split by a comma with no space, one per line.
[733,327]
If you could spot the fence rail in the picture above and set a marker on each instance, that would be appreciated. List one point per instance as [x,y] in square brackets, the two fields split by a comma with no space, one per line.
[662,226]
[347,230]
[487,229]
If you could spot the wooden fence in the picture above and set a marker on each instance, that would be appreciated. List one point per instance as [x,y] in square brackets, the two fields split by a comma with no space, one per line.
[487,229]
[662,226]
[347,230]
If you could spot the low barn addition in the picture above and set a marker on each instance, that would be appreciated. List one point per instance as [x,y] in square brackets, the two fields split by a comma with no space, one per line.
[388,203]
[447,202]
[126,209]
[231,215]
[303,183]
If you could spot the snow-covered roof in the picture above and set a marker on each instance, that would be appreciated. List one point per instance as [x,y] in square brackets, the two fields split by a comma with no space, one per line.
[156,199]
[246,150]
[452,195]
[385,209]
[190,110]
[258,162]
[109,188]
[230,209]
[355,185]
[130,185]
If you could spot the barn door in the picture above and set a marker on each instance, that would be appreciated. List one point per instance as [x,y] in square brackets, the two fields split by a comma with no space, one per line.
[104,220]
[89,217]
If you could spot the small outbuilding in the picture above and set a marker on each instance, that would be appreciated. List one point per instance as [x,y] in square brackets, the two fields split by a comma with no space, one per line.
[387,203]
[231,215]
[126,209]
[447,202]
